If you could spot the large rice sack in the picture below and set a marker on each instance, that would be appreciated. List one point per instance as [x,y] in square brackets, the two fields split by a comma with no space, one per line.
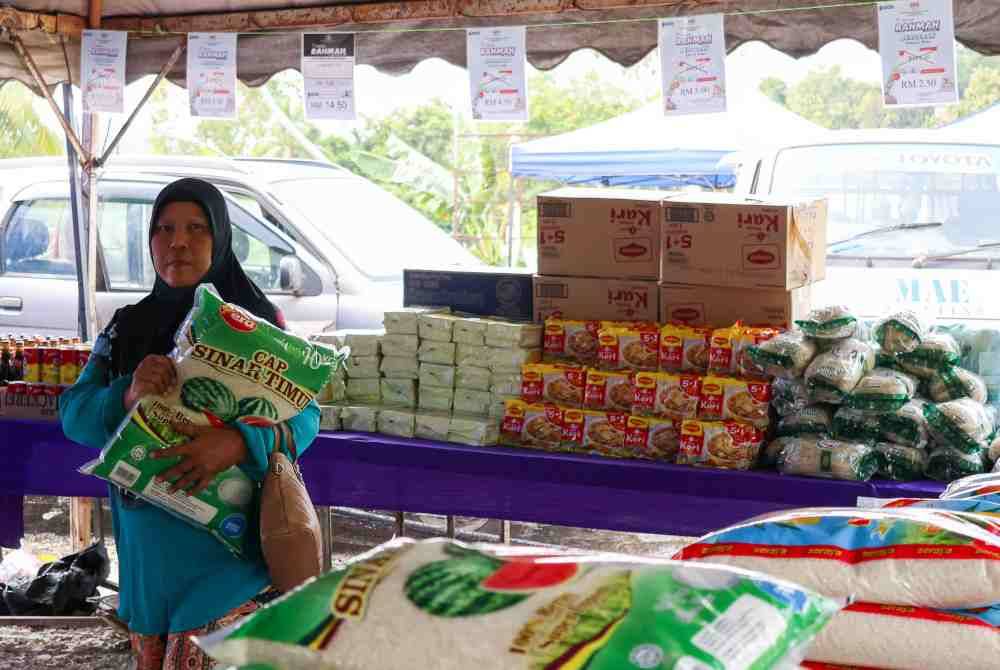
[910,638]
[921,557]
[443,605]
[973,485]
[231,367]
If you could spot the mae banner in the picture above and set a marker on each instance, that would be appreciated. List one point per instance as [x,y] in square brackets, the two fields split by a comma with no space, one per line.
[916,40]
[328,75]
[211,74]
[102,70]
[693,64]
[497,84]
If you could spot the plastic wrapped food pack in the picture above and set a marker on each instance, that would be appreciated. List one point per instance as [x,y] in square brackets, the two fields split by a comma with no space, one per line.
[900,332]
[404,321]
[906,426]
[396,422]
[953,383]
[899,462]
[833,374]
[830,459]
[359,418]
[810,420]
[834,322]
[882,390]
[936,352]
[786,355]
[962,424]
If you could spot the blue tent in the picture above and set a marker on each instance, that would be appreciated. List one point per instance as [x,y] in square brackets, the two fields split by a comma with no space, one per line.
[646,148]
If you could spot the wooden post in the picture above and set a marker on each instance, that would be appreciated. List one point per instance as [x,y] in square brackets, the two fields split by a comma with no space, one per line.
[81,511]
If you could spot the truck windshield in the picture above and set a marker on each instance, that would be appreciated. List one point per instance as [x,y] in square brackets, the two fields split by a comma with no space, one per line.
[891,186]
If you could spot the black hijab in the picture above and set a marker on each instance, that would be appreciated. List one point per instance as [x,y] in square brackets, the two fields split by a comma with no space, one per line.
[148,327]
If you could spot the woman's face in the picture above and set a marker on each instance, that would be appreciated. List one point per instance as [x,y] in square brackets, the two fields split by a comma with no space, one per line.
[182,244]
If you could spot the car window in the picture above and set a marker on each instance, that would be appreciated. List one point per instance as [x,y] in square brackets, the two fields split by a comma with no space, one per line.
[38,239]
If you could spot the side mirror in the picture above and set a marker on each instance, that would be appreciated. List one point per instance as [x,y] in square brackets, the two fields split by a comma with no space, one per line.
[292,274]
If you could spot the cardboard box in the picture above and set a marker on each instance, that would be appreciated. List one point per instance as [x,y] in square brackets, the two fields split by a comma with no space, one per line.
[719,307]
[600,233]
[504,292]
[596,298]
[724,240]
[36,407]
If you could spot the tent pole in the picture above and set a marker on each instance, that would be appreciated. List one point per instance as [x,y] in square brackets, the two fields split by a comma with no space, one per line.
[78,230]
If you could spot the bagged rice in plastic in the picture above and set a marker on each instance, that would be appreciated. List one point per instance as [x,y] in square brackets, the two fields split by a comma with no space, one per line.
[882,390]
[833,374]
[435,399]
[936,352]
[854,425]
[500,608]
[876,555]
[475,431]
[946,464]
[906,426]
[973,485]
[830,459]
[770,454]
[473,378]
[899,462]
[364,391]
[811,420]
[439,353]
[441,376]
[231,368]
[432,425]
[914,638]
[396,422]
[785,356]
[900,332]
[400,367]
[359,418]
[400,345]
[399,393]
[404,321]
[835,322]
[789,396]
[470,330]
[962,424]
[953,383]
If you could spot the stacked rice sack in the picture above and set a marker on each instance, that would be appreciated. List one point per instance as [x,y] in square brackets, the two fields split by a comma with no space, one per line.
[924,577]
[445,605]
[896,404]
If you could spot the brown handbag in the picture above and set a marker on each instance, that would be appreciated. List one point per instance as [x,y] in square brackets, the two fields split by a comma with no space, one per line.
[290,535]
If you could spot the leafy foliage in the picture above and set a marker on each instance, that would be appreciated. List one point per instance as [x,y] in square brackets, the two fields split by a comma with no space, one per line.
[22,133]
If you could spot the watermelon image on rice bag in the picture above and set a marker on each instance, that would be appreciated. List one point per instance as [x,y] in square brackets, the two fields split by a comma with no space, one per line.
[448,606]
[231,367]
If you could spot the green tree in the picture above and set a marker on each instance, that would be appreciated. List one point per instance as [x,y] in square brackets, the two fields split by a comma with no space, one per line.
[22,132]
[776,89]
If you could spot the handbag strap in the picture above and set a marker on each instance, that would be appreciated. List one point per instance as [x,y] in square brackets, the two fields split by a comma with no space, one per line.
[283,436]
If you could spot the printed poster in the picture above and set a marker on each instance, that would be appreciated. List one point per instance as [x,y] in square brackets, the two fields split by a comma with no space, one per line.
[495,58]
[693,64]
[916,40]
[211,74]
[328,74]
[102,70]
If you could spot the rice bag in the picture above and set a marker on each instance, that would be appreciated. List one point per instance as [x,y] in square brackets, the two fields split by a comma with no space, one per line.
[359,418]
[441,376]
[722,350]
[472,378]
[993,451]
[400,345]
[900,332]
[329,417]
[652,438]
[874,555]
[514,335]
[772,451]
[474,431]
[231,368]
[510,360]
[973,485]
[751,336]
[935,352]
[835,322]
[571,340]
[884,359]
[724,398]
[469,330]
[828,458]
[471,355]
[891,636]
[608,390]
[553,382]
[961,424]
[432,425]
[396,422]
[789,396]
[834,373]
[946,464]
[434,398]
[506,383]
[953,382]
[719,444]
[471,402]
[882,390]
[364,391]
[899,462]
[400,367]
[853,425]
[667,395]
[503,608]
[435,327]
[906,426]
[399,393]
[786,355]
[810,420]
[363,367]
[404,321]
[438,353]
[628,347]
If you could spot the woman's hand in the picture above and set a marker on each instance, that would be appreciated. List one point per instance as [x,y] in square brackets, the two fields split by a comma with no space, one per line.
[155,375]
[210,451]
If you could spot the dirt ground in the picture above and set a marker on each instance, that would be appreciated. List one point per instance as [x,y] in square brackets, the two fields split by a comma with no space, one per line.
[105,648]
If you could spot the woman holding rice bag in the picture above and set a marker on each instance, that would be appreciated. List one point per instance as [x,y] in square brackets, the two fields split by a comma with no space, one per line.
[178,580]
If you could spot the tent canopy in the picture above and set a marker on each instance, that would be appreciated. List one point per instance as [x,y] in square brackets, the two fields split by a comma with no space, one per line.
[646,148]
[395,36]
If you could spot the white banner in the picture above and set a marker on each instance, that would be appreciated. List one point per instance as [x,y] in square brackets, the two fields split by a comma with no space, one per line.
[211,74]
[102,70]
[328,74]
[693,64]
[916,40]
[495,58]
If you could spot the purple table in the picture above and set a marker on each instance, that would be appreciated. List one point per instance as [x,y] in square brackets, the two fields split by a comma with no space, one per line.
[378,472]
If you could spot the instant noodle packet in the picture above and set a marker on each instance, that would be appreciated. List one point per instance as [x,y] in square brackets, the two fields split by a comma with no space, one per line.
[652,438]
[608,390]
[751,336]
[628,347]
[571,340]
[667,395]
[722,350]
[719,444]
[604,433]
[723,398]
[553,382]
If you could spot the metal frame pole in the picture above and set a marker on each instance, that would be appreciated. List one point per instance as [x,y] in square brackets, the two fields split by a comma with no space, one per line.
[78,228]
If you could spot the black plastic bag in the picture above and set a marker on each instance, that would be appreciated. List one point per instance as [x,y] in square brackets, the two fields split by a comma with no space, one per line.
[62,588]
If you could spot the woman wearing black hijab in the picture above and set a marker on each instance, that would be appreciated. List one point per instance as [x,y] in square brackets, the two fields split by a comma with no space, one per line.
[177,581]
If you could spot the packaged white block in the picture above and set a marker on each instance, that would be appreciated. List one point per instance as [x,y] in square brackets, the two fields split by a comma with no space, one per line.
[472,402]
[512,360]
[442,376]
[469,330]
[334,392]
[363,367]
[513,334]
[404,321]
[400,345]
[432,425]
[442,353]
[359,418]
[329,417]
[472,354]
[361,342]
[399,393]
[474,431]
[400,367]
[364,391]
[398,423]
[436,327]
[435,399]
[506,383]
[472,378]
[498,403]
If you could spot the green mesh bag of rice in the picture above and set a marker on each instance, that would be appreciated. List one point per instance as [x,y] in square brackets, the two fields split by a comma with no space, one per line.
[900,332]
[785,356]
[935,352]
[811,420]
[854,425]
[899,462]
[447,606]
[946,464]
[952,383]
[835,322]
[231,367]
[882,390]
[961,424]
[906,426]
